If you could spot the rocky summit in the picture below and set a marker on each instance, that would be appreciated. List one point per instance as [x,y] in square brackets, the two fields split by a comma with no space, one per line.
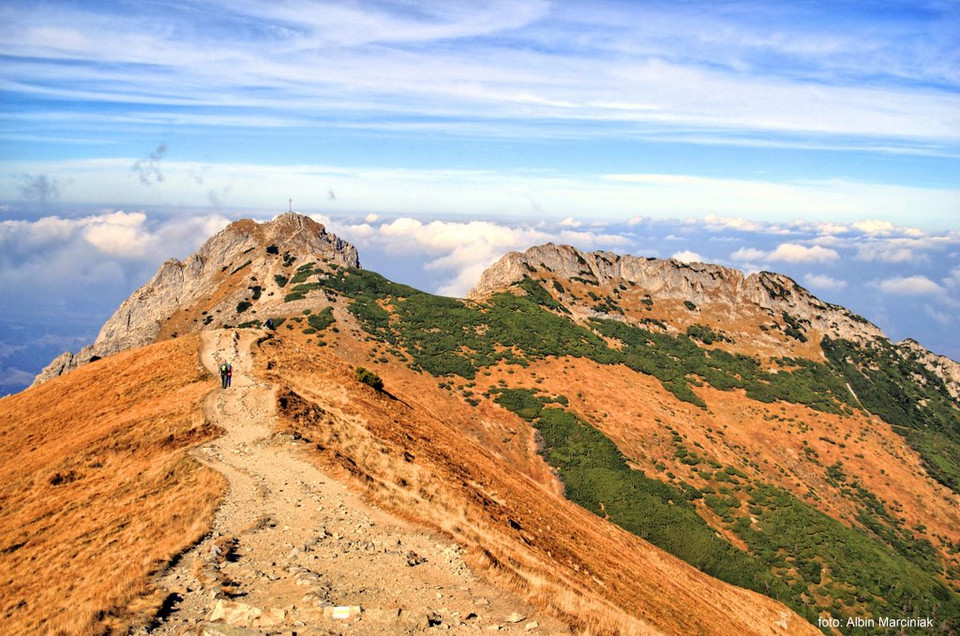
[236,265]
[589,443]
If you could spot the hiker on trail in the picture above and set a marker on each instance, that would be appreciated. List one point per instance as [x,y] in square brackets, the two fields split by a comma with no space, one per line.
[270,324]
[226,370]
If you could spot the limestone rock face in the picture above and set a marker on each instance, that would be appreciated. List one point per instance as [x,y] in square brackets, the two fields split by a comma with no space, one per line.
[700,283]
[941,366]
[720,289]
[255,251]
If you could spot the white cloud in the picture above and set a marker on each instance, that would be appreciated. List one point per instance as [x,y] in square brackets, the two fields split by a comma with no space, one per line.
[459,251]
[910,286]
[748,254]
[824,282]
[830,228]
[900,249]
[952,280]
[687,256]
[716,223]
[590,240]
[794,253]
[887,253]
[874,226]
[119,234]
[940,317]
[570,222]
[78,269]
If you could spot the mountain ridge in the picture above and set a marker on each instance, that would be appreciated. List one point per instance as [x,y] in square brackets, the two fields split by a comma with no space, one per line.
[137,321]
[669,278]
[713,288]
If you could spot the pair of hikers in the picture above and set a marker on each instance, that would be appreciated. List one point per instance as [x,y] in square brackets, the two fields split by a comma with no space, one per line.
[226,374]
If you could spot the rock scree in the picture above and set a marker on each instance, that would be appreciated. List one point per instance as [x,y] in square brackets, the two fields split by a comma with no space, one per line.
[292,550]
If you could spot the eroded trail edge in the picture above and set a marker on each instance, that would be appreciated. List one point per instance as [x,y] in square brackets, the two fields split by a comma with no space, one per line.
[292,550]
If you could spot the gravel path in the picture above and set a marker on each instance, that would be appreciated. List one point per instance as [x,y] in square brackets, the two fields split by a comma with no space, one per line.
[292,551]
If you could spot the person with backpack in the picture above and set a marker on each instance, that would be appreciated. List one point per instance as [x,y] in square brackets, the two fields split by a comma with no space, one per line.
[225,372]
[229,374]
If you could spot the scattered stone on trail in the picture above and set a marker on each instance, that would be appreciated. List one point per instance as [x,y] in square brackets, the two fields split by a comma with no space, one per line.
[414,559]
[531,626]
[343,612]
[234,613]
[515,617]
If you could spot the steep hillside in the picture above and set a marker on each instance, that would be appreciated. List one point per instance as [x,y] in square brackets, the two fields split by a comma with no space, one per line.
[617,439]
[96,491]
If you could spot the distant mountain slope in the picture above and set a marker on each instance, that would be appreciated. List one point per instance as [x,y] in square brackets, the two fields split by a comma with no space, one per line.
[766,316]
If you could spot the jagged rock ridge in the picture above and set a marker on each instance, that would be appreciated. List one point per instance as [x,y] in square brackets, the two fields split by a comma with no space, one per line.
[255,249]
[725,290]
[700,283]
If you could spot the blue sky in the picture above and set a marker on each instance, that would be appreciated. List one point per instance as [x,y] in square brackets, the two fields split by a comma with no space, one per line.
[834,123]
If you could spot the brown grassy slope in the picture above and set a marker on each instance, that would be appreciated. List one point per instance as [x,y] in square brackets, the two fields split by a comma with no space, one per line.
[789,445]
[595,575]
[96,491]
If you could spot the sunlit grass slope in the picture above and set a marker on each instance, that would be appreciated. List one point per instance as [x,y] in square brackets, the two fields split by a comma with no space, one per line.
[96,491]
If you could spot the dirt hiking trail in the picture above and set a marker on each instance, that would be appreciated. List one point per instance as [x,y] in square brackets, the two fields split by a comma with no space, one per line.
[294,552]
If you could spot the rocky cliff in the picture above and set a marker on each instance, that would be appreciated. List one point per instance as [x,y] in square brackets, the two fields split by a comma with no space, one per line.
[941,366]
[699,283]
[718,291]
[241,260]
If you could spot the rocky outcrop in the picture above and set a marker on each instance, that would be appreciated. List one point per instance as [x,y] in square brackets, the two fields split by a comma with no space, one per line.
[255,249]
[699,283]
[722,289]
[941,366]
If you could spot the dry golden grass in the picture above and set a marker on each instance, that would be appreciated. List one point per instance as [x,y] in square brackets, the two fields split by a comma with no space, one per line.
[96,491]
[516,528]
